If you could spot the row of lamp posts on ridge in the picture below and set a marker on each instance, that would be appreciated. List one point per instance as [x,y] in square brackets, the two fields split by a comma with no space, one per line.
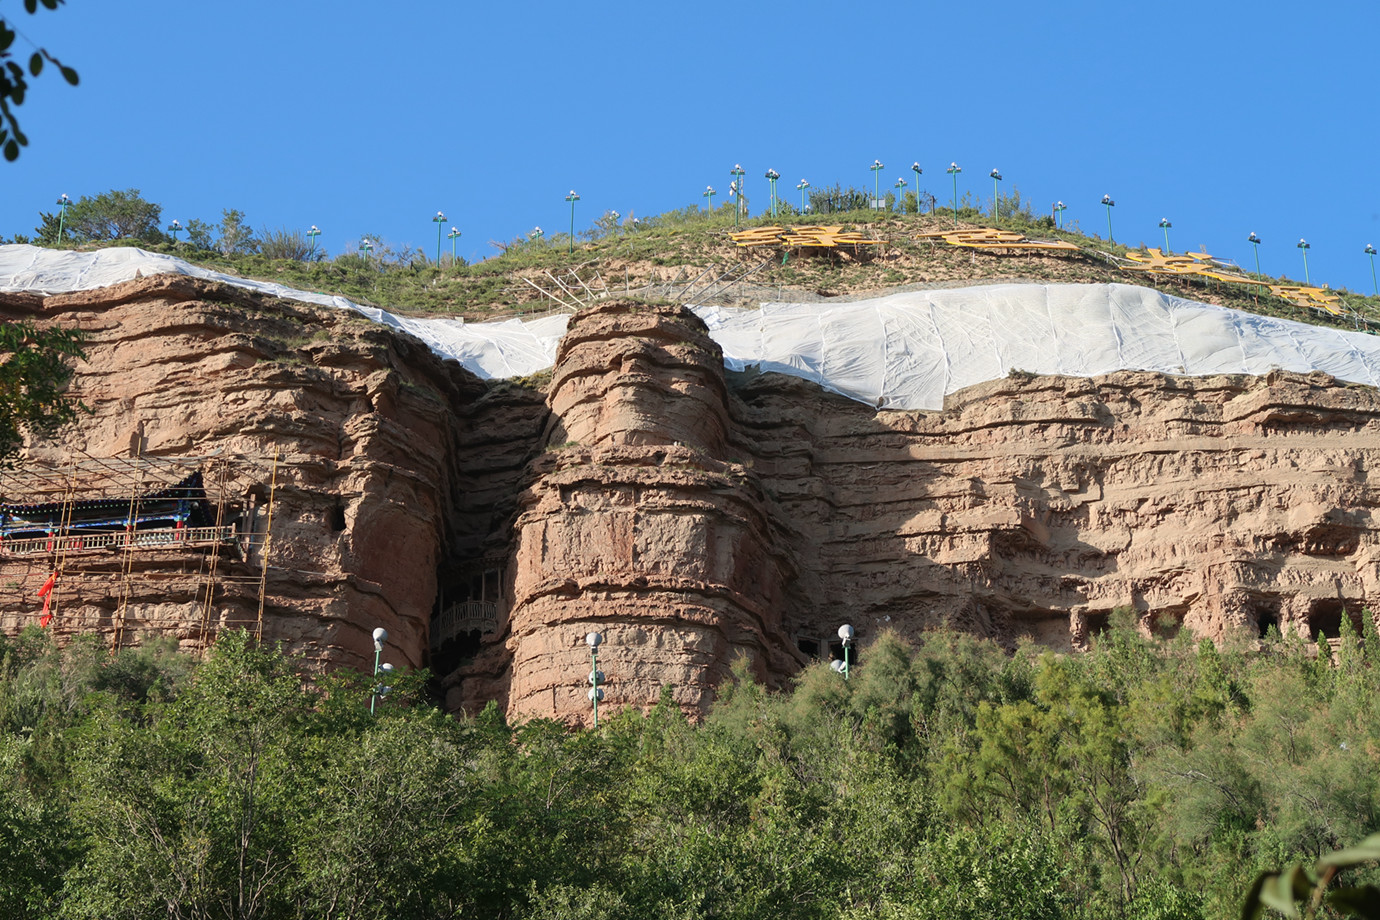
[735,191]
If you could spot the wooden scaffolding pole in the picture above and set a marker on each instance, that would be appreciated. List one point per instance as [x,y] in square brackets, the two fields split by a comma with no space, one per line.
[268,543]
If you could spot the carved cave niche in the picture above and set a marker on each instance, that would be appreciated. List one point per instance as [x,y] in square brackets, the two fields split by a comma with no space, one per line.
[1325,617]
[1166,623]
[1264,613]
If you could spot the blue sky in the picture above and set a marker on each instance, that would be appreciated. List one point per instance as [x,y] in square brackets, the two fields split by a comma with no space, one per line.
[366,118]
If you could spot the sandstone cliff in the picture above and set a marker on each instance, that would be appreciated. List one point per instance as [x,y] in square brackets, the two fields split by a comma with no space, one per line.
[689,515]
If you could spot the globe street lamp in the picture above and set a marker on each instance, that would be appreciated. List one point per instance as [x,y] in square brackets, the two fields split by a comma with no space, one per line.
[900,197]
[1255,241]
[1107,200]
[63,204]
[1370,251]
[366,247]
[596,676]
[996,191]
[438,220]
[312,234]
[876,168]
[1165,225]
[709,194]
[380,637]
[1304,247]
[572,198]
[772,175]
[846,634]
[737,173]
[453,235]
[536,234]
[1059,209]
[953,170]
[175,228]
[802,187]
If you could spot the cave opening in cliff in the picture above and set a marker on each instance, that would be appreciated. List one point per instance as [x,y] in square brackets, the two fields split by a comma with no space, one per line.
[1325,619]
[337,516]
[1266,617]
[808,646]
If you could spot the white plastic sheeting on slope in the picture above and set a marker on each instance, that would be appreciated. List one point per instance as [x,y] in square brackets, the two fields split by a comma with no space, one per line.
[906,351]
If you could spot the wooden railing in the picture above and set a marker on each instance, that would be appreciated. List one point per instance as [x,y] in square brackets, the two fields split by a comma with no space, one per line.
[462,617]
[162,538]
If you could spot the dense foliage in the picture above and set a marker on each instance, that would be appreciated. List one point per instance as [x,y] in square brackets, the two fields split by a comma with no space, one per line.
[947,779]
[35,370]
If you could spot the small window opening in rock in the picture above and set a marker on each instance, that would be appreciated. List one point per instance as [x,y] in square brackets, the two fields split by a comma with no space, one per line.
[808,646]
[1097,624]
[836,653]
[1266,620]
[337,516]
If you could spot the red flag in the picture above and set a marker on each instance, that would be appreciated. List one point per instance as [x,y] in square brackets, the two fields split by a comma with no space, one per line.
[46,592]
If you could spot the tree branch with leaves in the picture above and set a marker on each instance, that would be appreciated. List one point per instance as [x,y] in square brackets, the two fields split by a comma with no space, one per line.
[14,80]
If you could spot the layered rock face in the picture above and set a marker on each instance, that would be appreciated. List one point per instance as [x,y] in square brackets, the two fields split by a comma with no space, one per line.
[688,515]
[347,440]
[639,525]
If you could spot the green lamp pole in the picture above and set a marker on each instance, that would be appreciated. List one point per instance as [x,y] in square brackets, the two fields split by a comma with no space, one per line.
[596,677]
[366,247]
[1370,251]
[996,191]
[1304,247]
[802,187]
[536,234]
[1059,209]
[175,228]
[63,204]
[844,666]
[453,235]
[953,170]
[900,196]
[312,234]
[438,220]
[1165,225]
[1107,200]
[708,195]
[380,637]
[1255,241]
[915,168]
[572,198]
[737,173]
[772,175]
[876,168]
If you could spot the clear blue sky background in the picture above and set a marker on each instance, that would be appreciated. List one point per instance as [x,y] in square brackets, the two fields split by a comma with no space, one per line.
[366,118]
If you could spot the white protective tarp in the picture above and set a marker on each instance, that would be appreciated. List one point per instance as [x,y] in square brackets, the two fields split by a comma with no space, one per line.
[904,351]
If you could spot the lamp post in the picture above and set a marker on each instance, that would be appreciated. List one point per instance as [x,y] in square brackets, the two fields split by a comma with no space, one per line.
[572,198]
[438,220]
[1107,200]
[737,173]
[876,168]
[846,634]
[709,194]
[453,235]
[915,168]
[312,234]
[1304,247]
[996,192]
[802,187]
[1370,251]
[536,233]
[1165,225]
[1255,241]
[175,228]
[63,204]
[380,637]
[1059,209]
[953,170]
[366,247]
[900,196]
[596,677]
[772,175]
